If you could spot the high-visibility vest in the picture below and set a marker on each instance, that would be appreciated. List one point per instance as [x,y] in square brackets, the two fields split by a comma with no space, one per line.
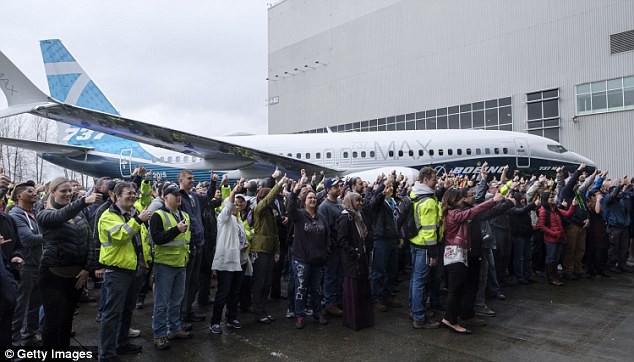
[176,252]
[117,240]
[429,213]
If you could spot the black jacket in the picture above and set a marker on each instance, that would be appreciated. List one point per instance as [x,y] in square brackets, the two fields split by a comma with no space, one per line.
[13,248]
[383,219]
[311,237]
[355,257]
[66,236]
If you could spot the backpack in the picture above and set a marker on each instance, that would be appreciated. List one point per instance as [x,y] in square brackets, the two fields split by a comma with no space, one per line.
[407,222]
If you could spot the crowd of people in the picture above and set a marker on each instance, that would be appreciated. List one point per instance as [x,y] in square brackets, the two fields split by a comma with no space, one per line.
[341,245]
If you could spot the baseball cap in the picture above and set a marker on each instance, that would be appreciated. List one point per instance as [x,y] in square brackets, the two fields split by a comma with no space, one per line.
[331,181]
[171,188]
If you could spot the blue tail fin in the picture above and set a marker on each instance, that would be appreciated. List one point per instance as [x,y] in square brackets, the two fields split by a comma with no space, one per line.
[69,83]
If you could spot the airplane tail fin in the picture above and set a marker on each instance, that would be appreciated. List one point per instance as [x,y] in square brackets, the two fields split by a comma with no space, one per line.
[69,83]
[67,80]
[22,95]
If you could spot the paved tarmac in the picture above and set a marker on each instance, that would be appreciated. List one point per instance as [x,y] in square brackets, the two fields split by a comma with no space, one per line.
[585,320]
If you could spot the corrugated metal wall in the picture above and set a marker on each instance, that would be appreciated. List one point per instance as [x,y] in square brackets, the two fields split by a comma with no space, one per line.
[338,61]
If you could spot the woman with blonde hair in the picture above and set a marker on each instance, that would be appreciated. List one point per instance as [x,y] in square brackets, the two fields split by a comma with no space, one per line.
[67,259]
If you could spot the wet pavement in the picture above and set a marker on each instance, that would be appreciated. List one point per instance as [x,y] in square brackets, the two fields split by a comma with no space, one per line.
[588,320]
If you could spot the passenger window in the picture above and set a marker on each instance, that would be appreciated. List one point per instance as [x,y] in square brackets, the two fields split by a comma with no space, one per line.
[400,153]
[391,153]
[505,151]
[411,153]
[308,156]
[372,154]
[487,151]
[299,156]
[496,150]
[289,154]
[363,154]
[345,155]
[459,151]
[450,152]
[431,152]
[318,155]
[468,151]
[169,159]
[178,159]
[420,152]
[328,155]
[162,159]
[440,152]
[186,159]
[478,151]
[355,154]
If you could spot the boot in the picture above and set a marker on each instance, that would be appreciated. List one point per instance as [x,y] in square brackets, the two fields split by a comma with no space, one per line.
[553,278]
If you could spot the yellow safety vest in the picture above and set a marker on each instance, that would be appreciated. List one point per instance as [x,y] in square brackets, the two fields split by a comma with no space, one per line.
[429,213]
[116,238]
[176,252]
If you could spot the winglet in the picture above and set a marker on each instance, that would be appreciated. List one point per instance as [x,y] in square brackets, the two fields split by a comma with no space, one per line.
[16,86]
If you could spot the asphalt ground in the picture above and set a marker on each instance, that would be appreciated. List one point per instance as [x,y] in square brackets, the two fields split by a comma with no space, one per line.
[585,320]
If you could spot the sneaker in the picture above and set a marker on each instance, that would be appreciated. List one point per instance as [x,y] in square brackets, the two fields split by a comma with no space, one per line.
[139,304]
[309,312]
[484,311]
[500,296]
[290,314]
[129,348]
[630,261]
[300,322]
[161,343]
[181,334]
[425,325]
[215,329]
[264,320]
[335,311]
[133,333]
[234,324]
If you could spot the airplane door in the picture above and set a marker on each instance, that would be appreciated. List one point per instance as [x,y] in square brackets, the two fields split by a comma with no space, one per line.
[522,153]
[329,156]
[125,162]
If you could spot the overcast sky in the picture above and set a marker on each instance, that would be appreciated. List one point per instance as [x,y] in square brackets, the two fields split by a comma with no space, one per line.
[199,66]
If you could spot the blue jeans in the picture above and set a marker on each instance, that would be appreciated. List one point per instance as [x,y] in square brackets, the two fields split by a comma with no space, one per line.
[333,279]
[522,257]
[169,290]
[417,283]
[553,252]
[307,278]
[122,287]
[383,276]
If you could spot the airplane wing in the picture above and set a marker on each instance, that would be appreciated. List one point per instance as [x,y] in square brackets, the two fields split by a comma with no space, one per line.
[45,147]
[187,143]
[23,96]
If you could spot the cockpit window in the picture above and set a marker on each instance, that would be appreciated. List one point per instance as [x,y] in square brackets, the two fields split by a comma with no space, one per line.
[557,148]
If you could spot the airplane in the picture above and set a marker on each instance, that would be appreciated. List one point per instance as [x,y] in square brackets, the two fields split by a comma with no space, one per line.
[101,142]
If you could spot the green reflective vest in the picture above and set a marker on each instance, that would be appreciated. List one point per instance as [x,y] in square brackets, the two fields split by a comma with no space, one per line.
[116,238]
[176,252]
[429,213]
